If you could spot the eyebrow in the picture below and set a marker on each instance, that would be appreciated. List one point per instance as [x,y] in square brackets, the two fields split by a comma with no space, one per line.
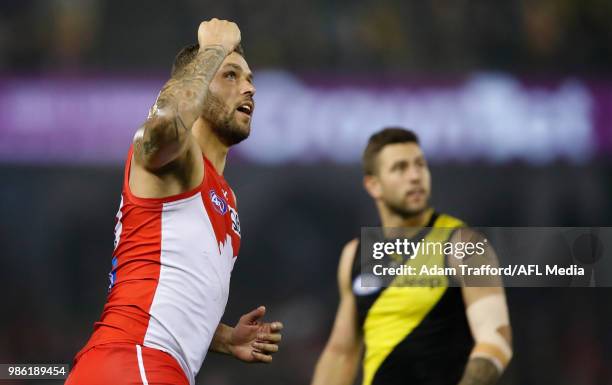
[238,68]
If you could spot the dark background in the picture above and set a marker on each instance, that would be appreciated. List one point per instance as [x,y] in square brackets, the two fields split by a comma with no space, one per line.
[56,220]
[530,36]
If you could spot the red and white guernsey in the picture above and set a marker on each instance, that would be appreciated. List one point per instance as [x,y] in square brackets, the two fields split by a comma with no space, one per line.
[171,270]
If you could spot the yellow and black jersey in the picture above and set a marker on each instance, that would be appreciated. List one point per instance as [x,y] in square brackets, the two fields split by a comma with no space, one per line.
[416,335]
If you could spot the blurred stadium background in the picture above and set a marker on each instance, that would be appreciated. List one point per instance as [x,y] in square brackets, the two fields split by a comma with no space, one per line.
[512,99]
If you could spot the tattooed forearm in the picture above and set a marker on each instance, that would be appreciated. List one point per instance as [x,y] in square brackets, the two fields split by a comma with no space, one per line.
[480,371]
[184,93]
[179,104]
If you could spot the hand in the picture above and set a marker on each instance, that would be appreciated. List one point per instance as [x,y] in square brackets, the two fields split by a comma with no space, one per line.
[219,32]
[254,341]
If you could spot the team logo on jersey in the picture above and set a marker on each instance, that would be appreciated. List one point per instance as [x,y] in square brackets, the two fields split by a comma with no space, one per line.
[112,276]
[219,204]
[235,220]
[366,284]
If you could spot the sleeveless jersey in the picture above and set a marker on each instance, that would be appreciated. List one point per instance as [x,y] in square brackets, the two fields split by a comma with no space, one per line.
[171,270]
[414,334]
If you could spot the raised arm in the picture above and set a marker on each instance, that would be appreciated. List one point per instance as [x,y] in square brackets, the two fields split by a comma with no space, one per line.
[487,314]
[165,134]
[340,358]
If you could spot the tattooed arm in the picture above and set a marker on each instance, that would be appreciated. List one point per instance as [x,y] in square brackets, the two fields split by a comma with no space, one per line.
[164,135]
[487,314]
[480,371]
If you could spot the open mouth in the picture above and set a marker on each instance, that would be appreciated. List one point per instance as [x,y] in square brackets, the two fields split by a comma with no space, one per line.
[246,108]
[416,193]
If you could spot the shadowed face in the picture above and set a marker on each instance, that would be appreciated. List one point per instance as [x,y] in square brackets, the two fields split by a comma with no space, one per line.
[402,181]
[229,105]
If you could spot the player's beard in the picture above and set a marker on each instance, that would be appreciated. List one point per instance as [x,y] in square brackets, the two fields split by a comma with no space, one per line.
[405,212]
[223,121]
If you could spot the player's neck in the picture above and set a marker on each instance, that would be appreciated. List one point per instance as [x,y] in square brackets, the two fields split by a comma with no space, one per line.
[210,145]
[390,219]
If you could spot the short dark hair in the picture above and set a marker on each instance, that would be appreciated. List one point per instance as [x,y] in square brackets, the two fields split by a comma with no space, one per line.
[188,53]
[388,135]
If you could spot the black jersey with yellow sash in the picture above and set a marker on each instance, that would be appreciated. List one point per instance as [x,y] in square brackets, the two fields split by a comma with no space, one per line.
[414,335]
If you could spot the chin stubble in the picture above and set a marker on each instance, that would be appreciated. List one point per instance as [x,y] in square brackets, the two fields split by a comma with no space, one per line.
[404,212]
[223,122]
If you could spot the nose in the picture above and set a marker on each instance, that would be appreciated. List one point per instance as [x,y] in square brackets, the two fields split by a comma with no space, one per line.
[414,175]
[248,89]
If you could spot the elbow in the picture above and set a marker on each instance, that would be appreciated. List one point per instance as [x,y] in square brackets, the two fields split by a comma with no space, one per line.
[342,350]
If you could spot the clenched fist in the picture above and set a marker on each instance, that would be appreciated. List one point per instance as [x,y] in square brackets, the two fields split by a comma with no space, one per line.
[219,32]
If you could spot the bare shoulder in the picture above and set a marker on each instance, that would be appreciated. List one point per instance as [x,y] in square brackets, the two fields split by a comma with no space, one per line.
[345,266]
[466,234]
[483,254]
